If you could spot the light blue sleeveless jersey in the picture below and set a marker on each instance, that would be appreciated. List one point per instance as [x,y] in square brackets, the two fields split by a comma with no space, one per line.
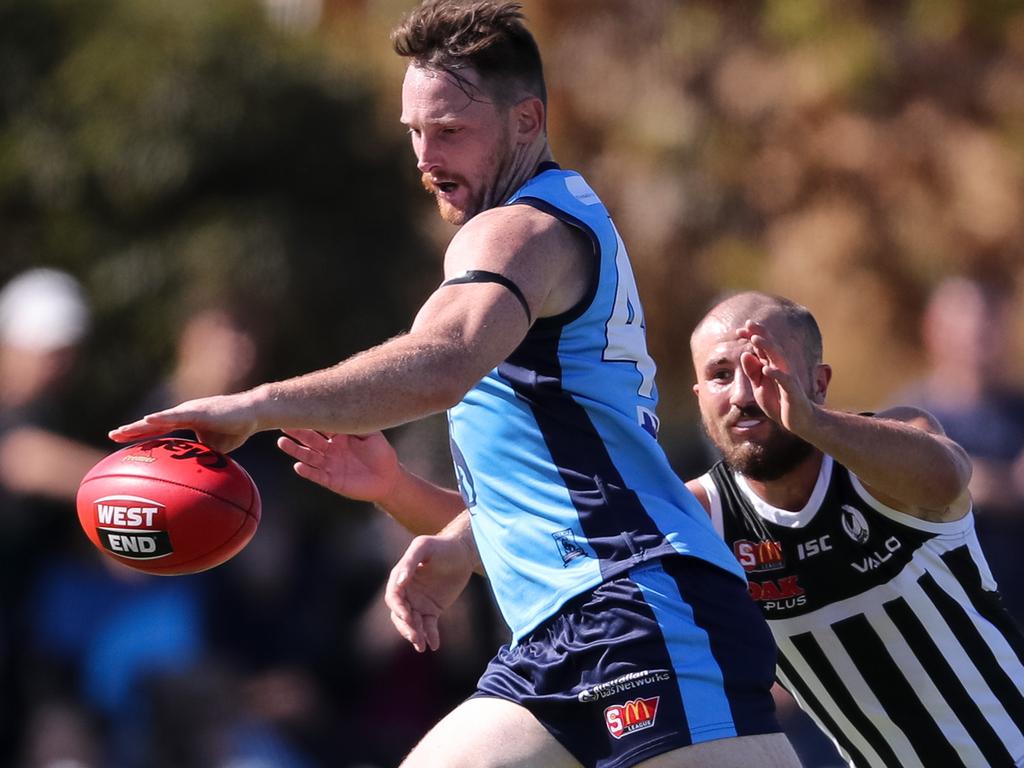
[556,451]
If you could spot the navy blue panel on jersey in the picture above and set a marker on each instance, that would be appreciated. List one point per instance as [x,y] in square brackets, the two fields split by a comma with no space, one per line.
[643,664]
[556,449]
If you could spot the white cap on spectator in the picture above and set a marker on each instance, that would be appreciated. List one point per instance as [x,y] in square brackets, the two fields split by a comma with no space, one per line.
[42,309]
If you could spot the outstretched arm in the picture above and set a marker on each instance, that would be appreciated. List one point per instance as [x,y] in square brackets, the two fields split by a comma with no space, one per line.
[901,455]
[428,579]
[366,467]
[461,332]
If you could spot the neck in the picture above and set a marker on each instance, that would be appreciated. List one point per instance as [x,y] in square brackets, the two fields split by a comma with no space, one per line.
[793,490]
[522,166]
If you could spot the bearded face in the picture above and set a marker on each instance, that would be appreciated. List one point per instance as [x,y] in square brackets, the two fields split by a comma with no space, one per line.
[463,144]
[766,457]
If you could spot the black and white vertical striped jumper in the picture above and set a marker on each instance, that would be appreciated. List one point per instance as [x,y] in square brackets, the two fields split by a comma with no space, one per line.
[891,633]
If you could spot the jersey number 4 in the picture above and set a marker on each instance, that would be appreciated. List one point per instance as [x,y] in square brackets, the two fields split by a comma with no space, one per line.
[625,333]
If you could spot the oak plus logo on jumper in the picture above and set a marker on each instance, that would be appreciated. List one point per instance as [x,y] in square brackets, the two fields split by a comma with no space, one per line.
[777,595]
[132,527]
[633,716]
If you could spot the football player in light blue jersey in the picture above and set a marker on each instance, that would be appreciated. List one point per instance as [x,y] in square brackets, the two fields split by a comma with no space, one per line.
[635,642]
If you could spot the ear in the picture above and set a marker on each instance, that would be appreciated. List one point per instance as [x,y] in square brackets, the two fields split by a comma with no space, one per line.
[528,119]
[822,378]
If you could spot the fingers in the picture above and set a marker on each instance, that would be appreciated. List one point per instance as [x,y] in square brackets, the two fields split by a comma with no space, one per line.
[317,441]
[300,452]
[409,632]
[431,632]
[753,366]
[763,345]
[134,431]
[148,426]
[154,424]
[769,351]
[311,473]
[405,619]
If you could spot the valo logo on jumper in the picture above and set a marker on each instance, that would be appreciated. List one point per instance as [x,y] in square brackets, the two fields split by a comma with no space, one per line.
[635,715]
[132,527]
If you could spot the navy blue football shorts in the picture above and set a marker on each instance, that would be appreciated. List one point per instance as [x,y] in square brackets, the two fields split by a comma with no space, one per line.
[671,654]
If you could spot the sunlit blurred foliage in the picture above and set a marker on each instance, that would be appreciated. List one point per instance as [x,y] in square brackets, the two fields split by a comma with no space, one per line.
[847,154]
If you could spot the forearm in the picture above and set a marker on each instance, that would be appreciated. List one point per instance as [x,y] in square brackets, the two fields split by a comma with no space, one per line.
[421,507]
[917,467]
[404,379]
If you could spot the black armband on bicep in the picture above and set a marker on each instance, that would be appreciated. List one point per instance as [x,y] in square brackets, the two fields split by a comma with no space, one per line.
[483,276]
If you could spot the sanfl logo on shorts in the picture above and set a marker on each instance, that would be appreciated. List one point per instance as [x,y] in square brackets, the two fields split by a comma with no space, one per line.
[635,715]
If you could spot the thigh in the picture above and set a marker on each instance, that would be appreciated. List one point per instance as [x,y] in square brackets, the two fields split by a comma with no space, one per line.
[489,733]
[769,750]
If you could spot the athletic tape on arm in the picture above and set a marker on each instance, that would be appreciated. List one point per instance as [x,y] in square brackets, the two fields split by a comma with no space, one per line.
[483,276]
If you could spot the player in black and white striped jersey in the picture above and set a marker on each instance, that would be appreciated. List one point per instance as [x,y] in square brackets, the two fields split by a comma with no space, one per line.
[857,536]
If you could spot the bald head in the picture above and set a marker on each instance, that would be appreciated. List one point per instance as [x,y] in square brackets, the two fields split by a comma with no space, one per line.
[752,442]
[783,317]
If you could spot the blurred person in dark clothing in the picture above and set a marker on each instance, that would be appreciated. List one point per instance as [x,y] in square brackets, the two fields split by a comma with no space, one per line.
[965,331]
[44,316]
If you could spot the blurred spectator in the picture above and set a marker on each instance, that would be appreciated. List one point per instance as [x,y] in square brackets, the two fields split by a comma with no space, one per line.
[138,650]
[964,331]
[43,319]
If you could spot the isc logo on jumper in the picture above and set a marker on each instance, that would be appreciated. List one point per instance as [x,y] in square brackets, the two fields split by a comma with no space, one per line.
[635,715]
[132,527]
[758,556]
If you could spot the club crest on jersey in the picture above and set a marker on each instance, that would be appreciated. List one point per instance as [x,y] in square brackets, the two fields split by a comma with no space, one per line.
[132,527]
[854,524]
[567,546]
[758,556]
[633,716]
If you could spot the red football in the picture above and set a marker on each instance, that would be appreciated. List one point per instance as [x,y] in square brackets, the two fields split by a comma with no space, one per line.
[169,506]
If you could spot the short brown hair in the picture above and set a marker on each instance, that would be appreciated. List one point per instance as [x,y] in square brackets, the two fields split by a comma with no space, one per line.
[488,36]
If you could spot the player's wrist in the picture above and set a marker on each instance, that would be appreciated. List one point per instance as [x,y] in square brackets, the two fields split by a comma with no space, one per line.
[460,532]
[263,403]
[396,490]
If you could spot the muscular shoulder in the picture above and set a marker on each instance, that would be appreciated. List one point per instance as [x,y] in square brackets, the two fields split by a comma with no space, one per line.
[549,260]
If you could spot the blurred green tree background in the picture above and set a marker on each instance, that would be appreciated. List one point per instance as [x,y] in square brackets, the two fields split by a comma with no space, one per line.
[173,155]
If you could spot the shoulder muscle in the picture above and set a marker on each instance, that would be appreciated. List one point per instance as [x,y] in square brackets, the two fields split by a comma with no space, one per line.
[547,259]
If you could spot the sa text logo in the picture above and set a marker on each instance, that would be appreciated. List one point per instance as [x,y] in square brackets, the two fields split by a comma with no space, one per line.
[635,715]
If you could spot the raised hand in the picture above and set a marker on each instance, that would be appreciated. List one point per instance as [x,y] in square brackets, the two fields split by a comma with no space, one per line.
[363,467]
[779,392]
[428,579]
[222,422]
